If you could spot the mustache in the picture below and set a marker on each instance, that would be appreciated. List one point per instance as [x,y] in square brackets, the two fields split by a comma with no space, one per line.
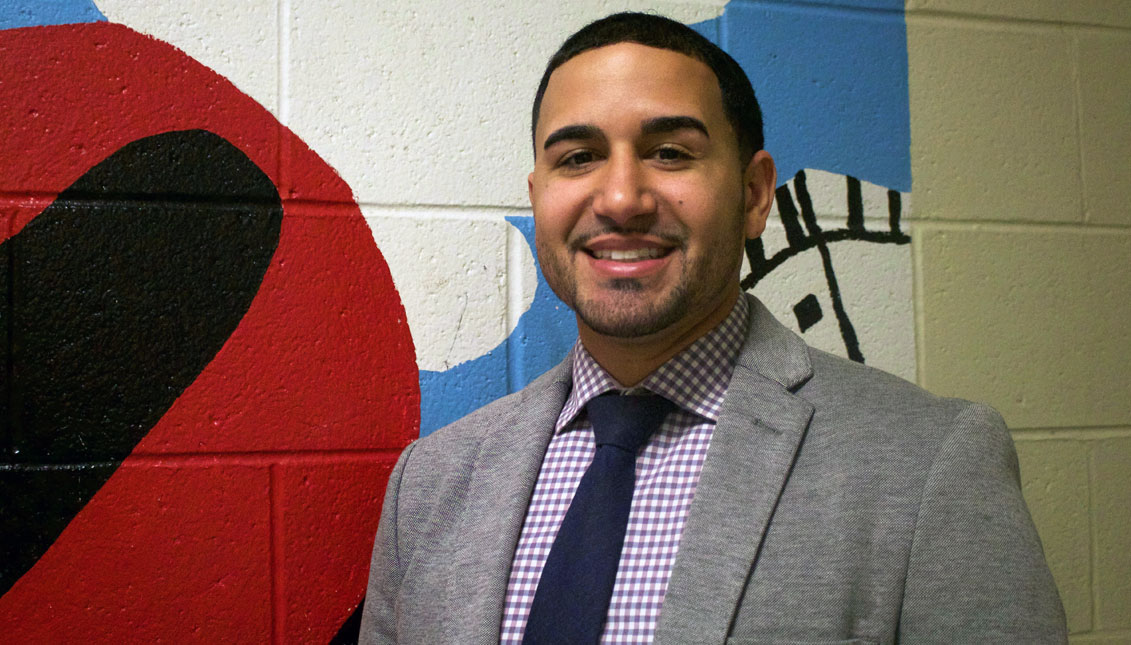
[677,238]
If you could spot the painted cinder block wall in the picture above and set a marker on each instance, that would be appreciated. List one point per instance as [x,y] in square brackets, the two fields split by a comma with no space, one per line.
[1021,132]
[249,520]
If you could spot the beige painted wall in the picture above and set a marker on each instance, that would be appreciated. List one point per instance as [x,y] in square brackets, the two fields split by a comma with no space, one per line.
[1021,162]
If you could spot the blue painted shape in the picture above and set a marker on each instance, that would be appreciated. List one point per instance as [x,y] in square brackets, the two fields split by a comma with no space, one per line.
[832,82]
[33,13]
[541,339]
[883,5]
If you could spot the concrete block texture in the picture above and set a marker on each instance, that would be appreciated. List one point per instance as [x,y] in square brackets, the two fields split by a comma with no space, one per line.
[236,38]
[327,515]
[1029,320]
[453,271]
[1112,521]
[163,548]
[993,121]
[1054,481]
[430,103]
[1112,13]
[1103,61]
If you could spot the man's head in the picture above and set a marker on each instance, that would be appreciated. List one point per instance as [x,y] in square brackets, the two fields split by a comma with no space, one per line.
[739,102]
[643,195]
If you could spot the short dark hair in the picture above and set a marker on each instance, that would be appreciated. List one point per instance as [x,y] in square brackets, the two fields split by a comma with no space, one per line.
[739,104]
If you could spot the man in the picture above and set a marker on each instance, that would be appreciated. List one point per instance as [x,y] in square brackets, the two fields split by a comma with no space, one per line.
[786,496]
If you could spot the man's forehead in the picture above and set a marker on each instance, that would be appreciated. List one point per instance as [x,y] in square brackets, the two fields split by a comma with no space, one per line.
[629,75]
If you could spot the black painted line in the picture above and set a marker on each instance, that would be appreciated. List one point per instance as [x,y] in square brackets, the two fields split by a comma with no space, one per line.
[794,234]
[895,210]
[755,252]
[826,237]
[847,332]
[855,204]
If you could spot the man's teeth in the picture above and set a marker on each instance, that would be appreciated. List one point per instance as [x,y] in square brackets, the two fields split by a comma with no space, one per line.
[628,256]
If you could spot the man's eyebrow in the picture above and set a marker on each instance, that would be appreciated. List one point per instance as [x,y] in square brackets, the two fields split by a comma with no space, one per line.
[572,132]
[665,124]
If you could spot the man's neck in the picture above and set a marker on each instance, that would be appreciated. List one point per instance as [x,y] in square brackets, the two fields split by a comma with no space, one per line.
[630,360]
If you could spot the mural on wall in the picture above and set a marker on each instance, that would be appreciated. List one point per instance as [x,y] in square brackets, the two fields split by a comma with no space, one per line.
[209,370]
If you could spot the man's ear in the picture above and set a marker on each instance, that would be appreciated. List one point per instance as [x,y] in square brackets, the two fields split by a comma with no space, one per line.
[530,188]
[759,182]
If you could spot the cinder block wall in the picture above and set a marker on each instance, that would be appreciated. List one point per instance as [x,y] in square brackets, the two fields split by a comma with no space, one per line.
[396,132]
[1021,142]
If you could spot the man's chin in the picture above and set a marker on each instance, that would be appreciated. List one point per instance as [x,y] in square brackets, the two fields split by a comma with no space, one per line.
[628,320]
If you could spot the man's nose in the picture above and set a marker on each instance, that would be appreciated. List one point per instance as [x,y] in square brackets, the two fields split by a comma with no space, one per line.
[624,190]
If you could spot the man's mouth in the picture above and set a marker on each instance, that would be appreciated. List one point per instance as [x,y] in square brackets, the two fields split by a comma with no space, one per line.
[627,249]
[628,255]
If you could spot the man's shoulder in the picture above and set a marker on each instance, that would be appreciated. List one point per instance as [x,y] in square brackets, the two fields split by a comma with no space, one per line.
[437,468]
[847,393]
[839,377]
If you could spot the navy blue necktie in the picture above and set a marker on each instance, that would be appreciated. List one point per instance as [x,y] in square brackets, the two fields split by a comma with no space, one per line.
[573,594]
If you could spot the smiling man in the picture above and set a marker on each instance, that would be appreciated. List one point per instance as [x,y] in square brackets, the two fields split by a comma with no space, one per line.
[693,472]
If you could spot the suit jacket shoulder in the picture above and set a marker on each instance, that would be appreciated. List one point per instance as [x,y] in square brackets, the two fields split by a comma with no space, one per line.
[855,505]
[453,509]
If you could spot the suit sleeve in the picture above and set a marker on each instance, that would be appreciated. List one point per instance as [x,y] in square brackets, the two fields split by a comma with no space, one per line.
[386,571]
[977,571]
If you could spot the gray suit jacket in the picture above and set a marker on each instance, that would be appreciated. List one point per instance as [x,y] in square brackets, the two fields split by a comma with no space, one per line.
[837,504]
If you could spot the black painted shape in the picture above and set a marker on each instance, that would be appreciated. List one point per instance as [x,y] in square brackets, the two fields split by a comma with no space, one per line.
[847,331]
[808,312]
[855,204]
[794,234]
[36,506]
[350,631]
[895,210]
[755,251]
[123,290]
[6,347]
[799,241]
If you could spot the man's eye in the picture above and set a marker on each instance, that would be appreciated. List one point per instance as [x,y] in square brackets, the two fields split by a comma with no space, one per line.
[576,159]
[670,153]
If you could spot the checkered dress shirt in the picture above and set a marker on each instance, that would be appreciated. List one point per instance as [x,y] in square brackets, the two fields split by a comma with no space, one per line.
[667,471]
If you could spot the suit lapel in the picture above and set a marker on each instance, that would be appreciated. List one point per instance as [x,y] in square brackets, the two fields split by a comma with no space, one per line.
[752,451]
[499,491]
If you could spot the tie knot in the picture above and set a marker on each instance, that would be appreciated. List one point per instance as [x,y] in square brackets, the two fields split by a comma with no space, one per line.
[626,421]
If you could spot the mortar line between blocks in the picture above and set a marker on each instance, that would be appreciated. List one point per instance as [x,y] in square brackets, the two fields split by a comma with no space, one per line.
[934,17]
[282,89]
[283,19]
[207,459]
[1078,109]
[1071,433]
[514,286]
[1101,636]
[445,211]
[1093,541]
[274,522]
[1002,226]
[918,318]
[11,434]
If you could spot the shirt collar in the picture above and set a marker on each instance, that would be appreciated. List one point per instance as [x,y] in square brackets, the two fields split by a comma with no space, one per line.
[695,379]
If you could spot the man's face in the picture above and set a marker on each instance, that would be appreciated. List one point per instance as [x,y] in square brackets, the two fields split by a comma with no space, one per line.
[641,201]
